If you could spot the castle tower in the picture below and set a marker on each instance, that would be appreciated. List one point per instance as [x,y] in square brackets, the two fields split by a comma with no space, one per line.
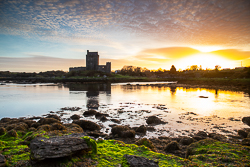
[108,67]
[92,60]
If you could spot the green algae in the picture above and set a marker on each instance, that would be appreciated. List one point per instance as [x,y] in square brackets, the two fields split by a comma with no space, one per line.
[111,152]
[92,143]
[210,152]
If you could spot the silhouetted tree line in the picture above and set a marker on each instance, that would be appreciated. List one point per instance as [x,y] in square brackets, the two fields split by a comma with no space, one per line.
[28,75]
[193,71]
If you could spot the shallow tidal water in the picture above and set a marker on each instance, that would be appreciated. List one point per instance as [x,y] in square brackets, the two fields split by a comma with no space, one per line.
[186,110]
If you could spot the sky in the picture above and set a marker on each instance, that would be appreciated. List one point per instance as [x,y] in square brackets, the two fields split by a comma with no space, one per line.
[38,35]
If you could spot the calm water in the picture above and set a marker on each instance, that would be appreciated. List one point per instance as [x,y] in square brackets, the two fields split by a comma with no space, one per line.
[131,104]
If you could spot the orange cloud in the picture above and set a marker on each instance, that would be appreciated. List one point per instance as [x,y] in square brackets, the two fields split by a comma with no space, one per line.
[233,54]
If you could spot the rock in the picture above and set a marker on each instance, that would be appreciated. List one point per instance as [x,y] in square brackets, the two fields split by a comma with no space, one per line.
[202,134]
[98,115]
[128,134]
[2,131]
[29,122]
[12,133]
[217,136]
[4,120]
[142,129]
[75,117]
[54,116]
[87,125]
[172,146]
[186,140]
[103,118]
[35,125]
[55,147]
[198,138]
[2,161]
[115,121]
[44,121]
[242,133]
[246,120]
[135,161]
[90,113]
[119,129]
[154,120]
[246,142]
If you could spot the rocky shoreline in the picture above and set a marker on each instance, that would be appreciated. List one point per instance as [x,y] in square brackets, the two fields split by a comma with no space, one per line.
[52,125]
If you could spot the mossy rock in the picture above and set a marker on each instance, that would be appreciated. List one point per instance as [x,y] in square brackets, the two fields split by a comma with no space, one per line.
[146,142]
[209,152]
[12,133]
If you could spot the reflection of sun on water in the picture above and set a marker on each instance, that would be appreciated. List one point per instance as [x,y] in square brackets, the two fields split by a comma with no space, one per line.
[206,60]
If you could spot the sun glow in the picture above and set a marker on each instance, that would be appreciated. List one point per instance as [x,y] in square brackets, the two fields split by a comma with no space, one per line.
[206,60]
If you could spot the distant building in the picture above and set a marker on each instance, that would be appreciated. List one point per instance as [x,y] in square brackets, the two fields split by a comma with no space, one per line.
[92,63]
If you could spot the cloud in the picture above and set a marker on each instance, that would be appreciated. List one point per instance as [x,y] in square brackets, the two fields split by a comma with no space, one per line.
[167,53]
[196,22]
[233,54]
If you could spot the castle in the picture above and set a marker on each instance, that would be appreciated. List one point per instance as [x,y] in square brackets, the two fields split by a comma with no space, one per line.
[92,63]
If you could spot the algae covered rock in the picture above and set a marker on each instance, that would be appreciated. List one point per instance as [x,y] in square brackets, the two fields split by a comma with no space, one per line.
[45,127]
[128,134]
[87,125]
[73,128]
[119,129]
[58,126]
[136,161]
[55,147]
[44,121]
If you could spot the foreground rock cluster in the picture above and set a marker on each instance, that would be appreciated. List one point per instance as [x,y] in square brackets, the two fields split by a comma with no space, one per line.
[41,138]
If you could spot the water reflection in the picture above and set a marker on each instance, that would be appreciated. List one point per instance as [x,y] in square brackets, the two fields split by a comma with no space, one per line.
[92,92]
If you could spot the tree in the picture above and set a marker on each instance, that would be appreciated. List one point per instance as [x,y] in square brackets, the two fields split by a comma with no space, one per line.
[172,69]
[217,67]
[194,67]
